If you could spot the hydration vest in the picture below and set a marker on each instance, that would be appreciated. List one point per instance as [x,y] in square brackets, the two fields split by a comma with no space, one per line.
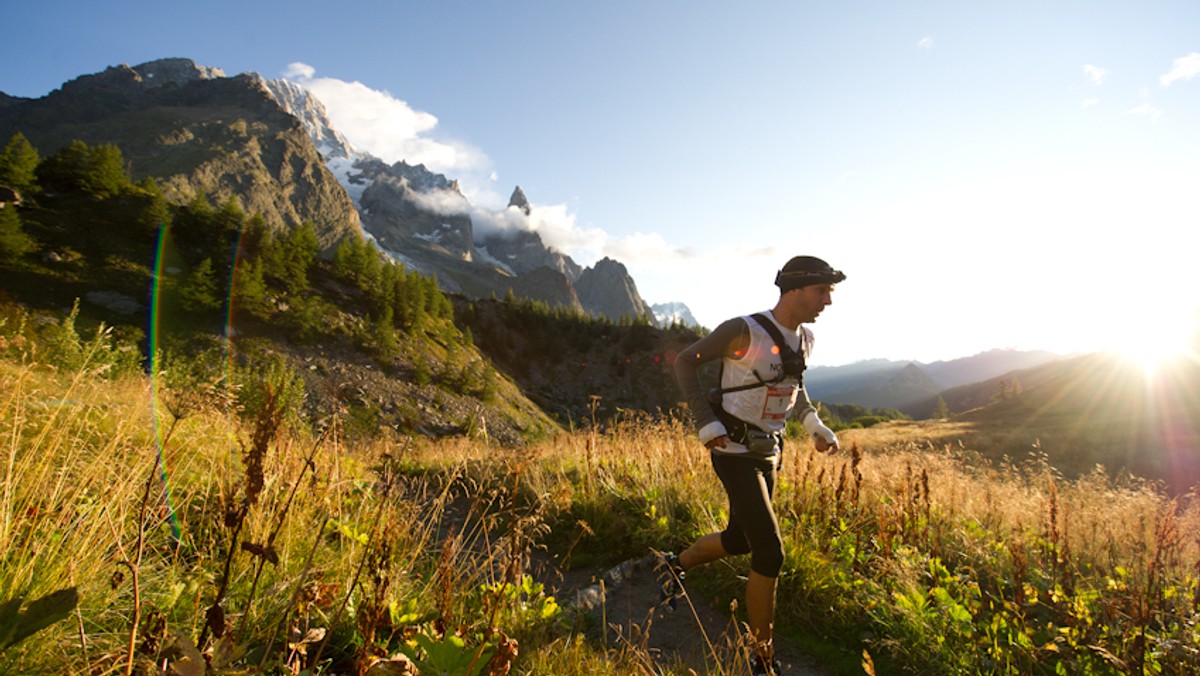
[792,364]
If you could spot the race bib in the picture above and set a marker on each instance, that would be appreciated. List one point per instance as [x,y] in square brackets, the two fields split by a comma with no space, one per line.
[778,402]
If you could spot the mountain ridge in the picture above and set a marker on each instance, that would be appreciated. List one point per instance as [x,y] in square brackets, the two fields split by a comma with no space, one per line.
[196,133]
[884,383]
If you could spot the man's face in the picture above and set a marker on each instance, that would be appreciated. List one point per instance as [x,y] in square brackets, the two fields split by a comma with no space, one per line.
[810,300]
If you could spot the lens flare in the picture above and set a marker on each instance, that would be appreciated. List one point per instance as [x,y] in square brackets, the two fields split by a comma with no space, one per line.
[167,261]
[156,297]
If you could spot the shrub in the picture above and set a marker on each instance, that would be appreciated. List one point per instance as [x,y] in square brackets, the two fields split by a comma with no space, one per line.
[14,243]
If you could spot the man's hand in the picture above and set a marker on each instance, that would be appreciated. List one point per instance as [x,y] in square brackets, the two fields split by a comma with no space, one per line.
[719,442]
[824,446]
[823,437]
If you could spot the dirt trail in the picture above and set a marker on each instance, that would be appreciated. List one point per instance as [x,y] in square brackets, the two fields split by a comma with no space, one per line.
[695,635]
[625,600]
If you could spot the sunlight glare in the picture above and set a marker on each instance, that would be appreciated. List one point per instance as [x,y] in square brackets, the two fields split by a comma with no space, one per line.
[1162,335]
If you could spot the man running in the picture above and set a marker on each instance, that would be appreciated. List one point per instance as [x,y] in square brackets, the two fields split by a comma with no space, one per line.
[741,423]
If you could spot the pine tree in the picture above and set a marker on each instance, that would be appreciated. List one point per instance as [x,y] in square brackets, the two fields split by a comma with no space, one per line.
[383,333]
[299,252]
[14,243]
[254,234]
[230,217]
[249,287]
[104,174]
[940,410]
[18,164]
[343,260]
[153,210]
[194,224]
[98,171]
[199,291]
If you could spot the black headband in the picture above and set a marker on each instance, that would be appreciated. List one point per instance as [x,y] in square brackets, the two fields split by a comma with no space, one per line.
[795,279]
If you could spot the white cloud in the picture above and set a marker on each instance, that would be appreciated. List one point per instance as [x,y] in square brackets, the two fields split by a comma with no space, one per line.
[1088,103]
[441,202]
[1146,110]
[487,222]
[385,126]
[554,223]
[925,43]
[1095,74]
[1184,68]
[560,230]
[299,71]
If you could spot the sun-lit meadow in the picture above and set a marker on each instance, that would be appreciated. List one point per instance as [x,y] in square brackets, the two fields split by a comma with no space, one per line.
[194,521]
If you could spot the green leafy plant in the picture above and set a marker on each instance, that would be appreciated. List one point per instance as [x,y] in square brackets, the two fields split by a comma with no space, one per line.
[16,625]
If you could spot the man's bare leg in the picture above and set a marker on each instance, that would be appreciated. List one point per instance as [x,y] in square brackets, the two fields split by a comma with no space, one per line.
[702,551]
[760,613]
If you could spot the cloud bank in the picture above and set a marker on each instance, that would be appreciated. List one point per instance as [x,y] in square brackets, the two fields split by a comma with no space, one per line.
[385,126]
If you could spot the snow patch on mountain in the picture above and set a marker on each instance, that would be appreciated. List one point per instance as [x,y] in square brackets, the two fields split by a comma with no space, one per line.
[667,314]
[484,256]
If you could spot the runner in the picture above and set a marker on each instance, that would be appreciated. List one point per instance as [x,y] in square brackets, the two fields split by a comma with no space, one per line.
[741,423]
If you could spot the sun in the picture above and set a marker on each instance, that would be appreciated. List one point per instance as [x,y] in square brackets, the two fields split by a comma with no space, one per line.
[1159,337]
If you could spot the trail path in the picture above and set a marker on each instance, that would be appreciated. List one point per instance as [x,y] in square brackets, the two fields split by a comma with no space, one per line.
[695,635]
[624,600]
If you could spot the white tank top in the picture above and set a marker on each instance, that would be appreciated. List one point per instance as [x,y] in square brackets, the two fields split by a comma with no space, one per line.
[766,407]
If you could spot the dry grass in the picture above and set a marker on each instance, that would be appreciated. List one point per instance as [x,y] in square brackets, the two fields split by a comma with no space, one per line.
[943,563]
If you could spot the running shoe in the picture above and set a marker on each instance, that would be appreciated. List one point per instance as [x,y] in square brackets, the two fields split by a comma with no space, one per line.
[669,574]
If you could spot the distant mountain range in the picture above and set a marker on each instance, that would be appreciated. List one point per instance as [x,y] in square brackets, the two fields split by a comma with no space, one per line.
[270,145]
[912,387]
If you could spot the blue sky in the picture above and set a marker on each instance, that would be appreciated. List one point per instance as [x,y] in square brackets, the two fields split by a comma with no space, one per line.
[989,175]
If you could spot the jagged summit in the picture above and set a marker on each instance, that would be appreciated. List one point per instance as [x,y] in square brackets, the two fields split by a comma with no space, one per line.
[156,74]
[607,289]
[175,71]
[519,201]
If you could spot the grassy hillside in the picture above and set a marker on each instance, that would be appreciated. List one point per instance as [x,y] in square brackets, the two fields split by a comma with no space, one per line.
[1089,411]
[148,522]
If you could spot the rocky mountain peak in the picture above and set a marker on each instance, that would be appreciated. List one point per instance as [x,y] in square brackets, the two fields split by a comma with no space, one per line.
[297,101]
[519,200]
[177,71]
[607,289]
[150,75]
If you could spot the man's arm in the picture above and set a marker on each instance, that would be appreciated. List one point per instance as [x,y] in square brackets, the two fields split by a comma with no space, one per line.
[728,339]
